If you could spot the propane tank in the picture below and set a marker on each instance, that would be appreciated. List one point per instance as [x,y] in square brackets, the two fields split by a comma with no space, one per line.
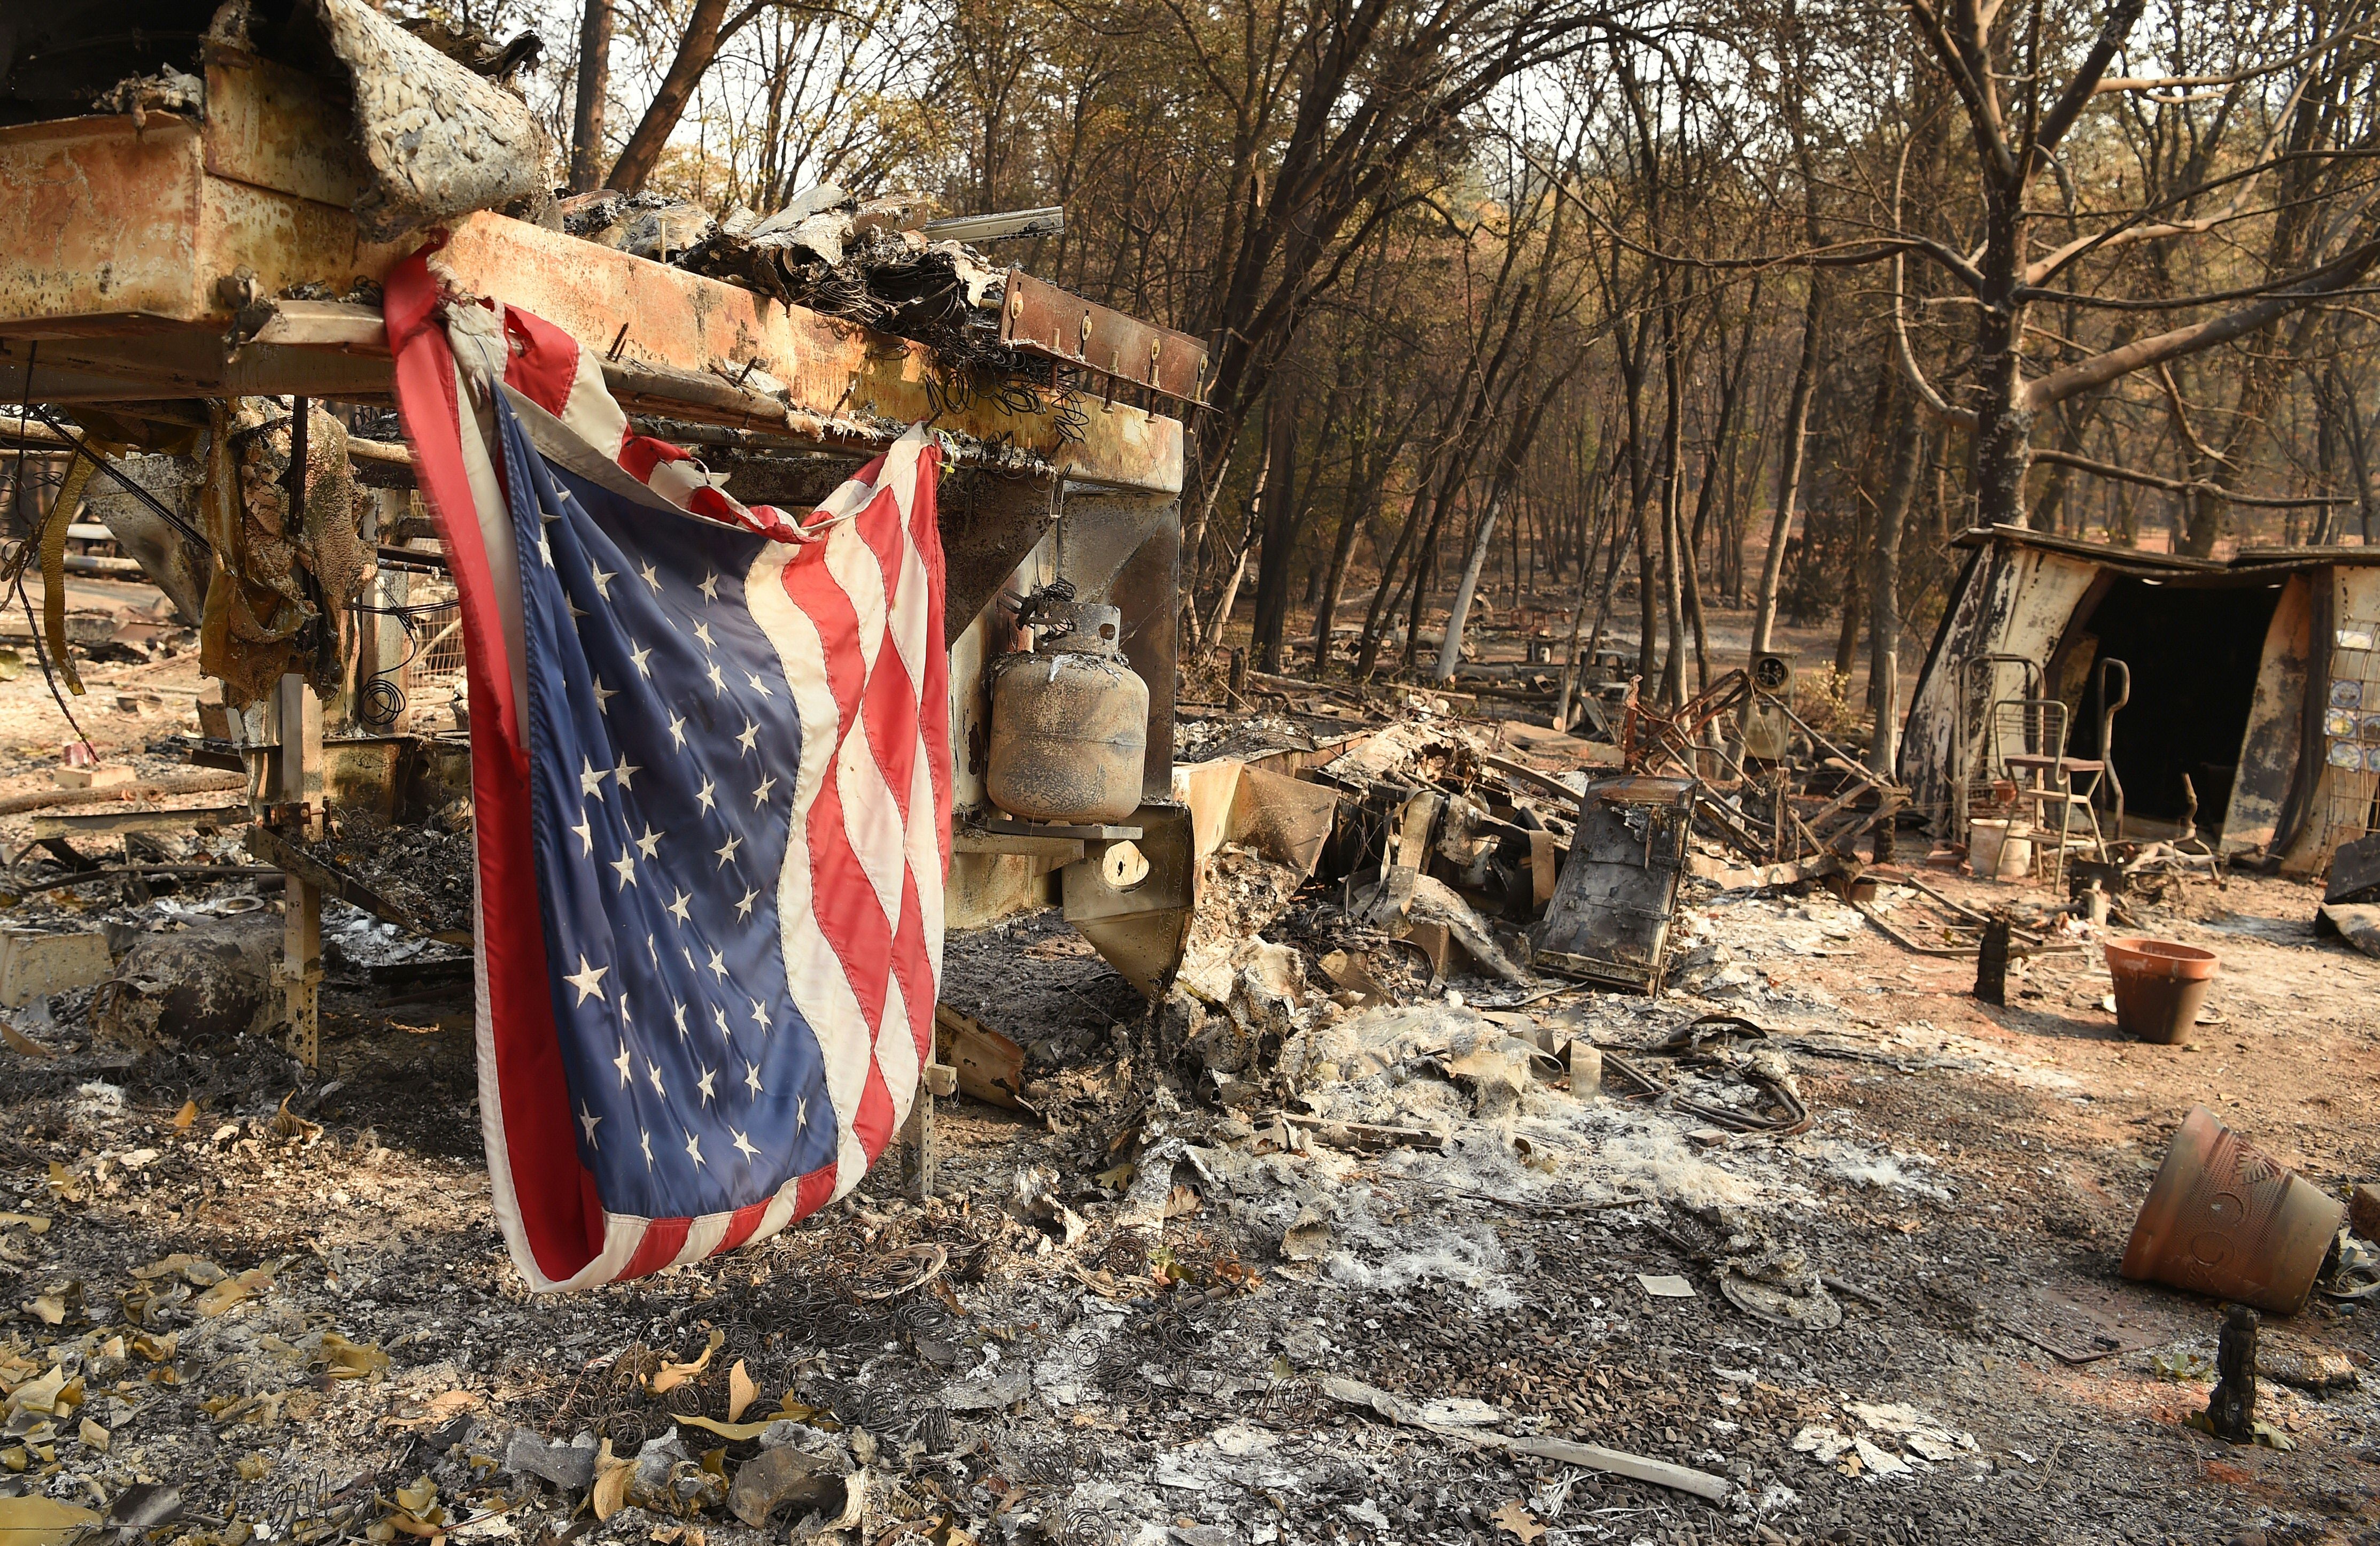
[1068,726]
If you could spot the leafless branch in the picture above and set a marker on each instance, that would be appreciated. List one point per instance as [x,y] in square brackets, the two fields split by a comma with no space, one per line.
[2181,485]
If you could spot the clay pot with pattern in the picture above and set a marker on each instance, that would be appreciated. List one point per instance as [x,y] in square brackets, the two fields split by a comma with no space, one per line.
[2225,1220]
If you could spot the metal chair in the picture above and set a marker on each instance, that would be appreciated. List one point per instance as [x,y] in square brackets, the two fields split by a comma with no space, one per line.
[2047,778]
[1976,765]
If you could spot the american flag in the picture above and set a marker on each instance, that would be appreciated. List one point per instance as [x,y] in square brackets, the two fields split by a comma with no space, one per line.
[710,767]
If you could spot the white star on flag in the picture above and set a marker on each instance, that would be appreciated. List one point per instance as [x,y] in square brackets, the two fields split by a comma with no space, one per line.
[586,980]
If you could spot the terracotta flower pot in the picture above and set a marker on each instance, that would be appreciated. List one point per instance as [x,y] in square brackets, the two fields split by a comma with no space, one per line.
[2225,1220]
[2160,987]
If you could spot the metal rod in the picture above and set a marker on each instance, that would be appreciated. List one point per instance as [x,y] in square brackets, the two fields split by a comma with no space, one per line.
[120,476]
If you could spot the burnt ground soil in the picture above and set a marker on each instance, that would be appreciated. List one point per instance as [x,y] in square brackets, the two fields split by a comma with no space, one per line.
[1175,1390]
[1193,1406]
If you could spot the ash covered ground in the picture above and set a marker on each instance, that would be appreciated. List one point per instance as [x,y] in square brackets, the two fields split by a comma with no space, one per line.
[254,1302]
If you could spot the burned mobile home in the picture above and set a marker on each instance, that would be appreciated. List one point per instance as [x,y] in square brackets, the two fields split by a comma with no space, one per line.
[2237,699]
[197,204]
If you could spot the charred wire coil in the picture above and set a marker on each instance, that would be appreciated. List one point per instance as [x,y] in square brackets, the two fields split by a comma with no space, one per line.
[923,1315]
[382,700]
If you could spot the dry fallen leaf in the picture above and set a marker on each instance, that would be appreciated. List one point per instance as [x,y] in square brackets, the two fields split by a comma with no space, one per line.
[672,1375]
[1181,1202]
[93,1435]
[41,1521]
[187,1116]
[231,1291]
[50,1308]
[195,1271]
[612,1475]
[734,1432]
[155,1350]
[342,1359]
[41,1395]
[1514,1518]
[288,1124]
[64,1185]
[741,1390]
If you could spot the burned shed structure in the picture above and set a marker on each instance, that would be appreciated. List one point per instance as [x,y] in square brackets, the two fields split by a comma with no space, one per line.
[2236,699]
[198,201]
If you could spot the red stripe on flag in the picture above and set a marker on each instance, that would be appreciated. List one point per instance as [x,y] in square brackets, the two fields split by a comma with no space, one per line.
[893,722]
[873,1123]
[815,1190]
[926,536]
[663,1239]
[912,968]
[539,1152]
[641,454]
[740,1225]
[856,928]
[542,363]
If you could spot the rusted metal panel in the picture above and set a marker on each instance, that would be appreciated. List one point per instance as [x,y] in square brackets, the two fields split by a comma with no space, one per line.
[2275,739]
[100,225]
[989,526]
[110,235]
[109,232]
[275,129]
[1609,921]
[1140,927]
[841,375]
[1039,318]
[281,239]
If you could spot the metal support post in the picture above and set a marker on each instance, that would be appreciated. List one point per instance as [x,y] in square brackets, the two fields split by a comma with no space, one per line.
[917,1133]
[294,795]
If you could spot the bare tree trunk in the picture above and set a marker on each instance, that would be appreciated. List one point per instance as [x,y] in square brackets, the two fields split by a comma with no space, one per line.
[2360,454]
[1368,653]
[1884,596]
[1212,634]
[1611,584]
[594,87]
[1276,531]
[1231,596]
[1569,677]
[1788,476]
[1450,649]
[1358,509]
[1674,472]
[1690,582]
[706,30]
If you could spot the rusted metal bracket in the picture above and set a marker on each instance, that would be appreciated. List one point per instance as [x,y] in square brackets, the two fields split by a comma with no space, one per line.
[1038,318]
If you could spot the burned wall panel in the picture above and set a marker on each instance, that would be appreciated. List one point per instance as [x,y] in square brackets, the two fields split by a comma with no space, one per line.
[2275,739]
[2342,807]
